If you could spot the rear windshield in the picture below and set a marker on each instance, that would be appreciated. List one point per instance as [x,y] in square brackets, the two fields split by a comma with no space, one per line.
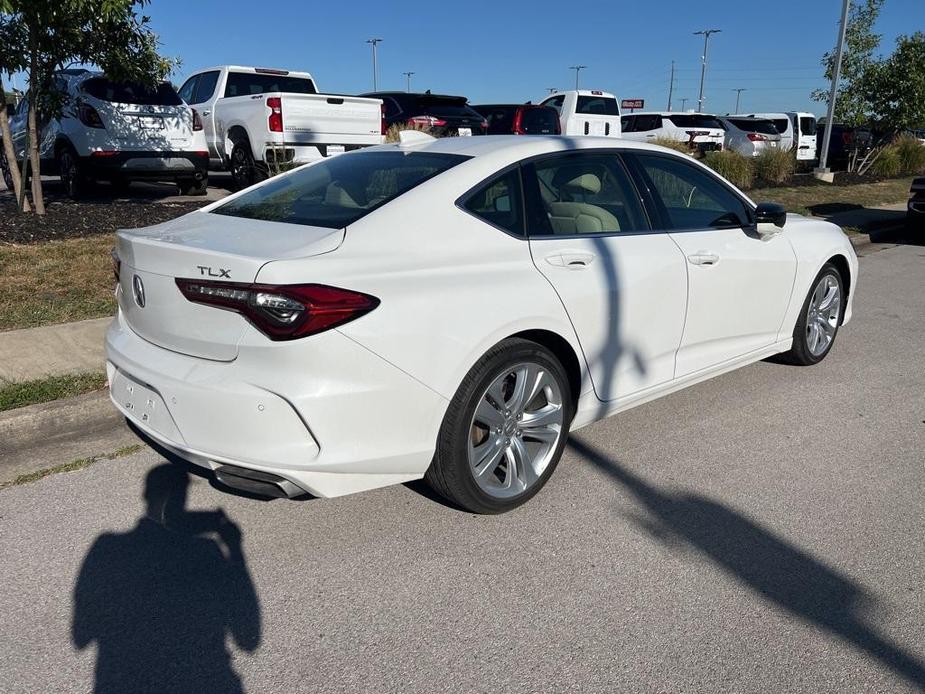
[127,93]
[442,107]
[539,121]
[807,125]
[339,191]
[695,120]
[765,127]
[245,83]
[597,105]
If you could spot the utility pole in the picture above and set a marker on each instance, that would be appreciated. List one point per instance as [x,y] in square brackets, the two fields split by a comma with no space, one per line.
[683,103]
[408,76]
[374,43]
[703,65]
[577,69]
[671,86]
[738,94]
[823,172]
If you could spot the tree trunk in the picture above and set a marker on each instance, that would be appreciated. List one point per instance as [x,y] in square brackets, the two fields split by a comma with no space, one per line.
[34,143]
[7,138]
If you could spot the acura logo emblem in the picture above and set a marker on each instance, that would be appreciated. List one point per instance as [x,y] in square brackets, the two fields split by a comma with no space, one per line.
[138,290]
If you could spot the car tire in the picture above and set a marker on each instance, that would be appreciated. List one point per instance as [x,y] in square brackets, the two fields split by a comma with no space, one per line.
[5,169]
[120,185]
[820,317]
[193,187]
[245,172]
[73,179]
[496,449]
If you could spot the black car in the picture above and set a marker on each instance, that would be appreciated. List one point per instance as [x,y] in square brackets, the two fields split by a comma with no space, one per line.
[915,212]
[442,114]
[520,119]
[846,141]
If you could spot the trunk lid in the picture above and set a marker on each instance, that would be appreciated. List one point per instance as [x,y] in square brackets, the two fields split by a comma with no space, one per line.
[203,246]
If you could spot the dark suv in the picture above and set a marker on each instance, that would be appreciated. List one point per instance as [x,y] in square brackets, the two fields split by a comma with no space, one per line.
[443,115]
[520,119]
[846,141]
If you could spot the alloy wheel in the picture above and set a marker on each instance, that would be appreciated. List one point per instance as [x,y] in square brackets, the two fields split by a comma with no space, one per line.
[822,315]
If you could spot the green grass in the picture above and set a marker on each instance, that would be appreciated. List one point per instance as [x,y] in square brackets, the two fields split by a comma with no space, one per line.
[803,199]
[78,464]
[24,393]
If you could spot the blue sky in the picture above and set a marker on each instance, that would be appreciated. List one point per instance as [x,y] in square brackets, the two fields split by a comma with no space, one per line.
[512,51]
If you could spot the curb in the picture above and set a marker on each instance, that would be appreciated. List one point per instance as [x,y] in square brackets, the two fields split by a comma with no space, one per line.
[52,433]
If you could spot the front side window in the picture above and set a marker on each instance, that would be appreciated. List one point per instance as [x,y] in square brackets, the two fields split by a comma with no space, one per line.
[188,89]
[584,193]
[500,202]
[337,192]
[690,197]
[205,87]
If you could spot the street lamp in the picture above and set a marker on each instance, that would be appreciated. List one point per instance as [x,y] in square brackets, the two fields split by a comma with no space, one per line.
[683,103]
[408,77]
[703,66]
[738,94]
[577,69]
[374,43]
[822,171]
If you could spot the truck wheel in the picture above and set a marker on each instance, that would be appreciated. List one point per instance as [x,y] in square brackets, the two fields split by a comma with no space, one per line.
[191,186]
[245,171]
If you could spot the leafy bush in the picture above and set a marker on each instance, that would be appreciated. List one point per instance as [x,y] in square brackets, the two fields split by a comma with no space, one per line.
[775,165]
[737,169]
[671,144]
[911,154]
[888,164]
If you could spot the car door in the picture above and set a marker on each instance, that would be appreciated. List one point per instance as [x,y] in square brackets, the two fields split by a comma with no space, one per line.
[623,286]
[198,91]
[739,284]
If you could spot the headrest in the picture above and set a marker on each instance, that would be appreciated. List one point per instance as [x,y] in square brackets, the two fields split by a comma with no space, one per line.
[588,183]
[335,195]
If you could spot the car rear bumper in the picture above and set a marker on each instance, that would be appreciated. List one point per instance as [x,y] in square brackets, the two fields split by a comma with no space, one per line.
[148,164]
[322,413]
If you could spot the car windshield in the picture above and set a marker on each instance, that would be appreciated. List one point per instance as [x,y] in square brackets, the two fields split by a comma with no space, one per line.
[128,93]
[695,120]
[765,127]
[337,192]
[597,105]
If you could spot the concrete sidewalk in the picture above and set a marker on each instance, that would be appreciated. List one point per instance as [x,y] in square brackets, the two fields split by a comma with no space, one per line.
[52,350]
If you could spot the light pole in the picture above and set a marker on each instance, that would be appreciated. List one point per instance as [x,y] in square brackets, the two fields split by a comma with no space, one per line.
[671,86]
[374,43]
[683,103]
[703,66]
[823,172]
[408,77]
[577,69]
[738,94]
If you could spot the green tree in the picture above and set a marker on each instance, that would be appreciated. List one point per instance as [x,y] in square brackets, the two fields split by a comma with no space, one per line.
[853,104]
[896,86]
[10,36]
[111,34]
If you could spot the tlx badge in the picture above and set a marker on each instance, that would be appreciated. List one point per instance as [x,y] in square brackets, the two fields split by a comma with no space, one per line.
[206,271]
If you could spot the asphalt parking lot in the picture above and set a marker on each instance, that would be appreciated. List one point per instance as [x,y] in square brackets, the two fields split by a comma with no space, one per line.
[761,532]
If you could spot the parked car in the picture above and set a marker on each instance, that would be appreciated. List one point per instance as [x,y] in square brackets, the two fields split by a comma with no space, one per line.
[452,308]
[257,118]
[782,124]
[520,119]
[847,141]
[699,131]
[804,134]
[750,136]
[117,132]
[441,114]
[915,212]
[586,112]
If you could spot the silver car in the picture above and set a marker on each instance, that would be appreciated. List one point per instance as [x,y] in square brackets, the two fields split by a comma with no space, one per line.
[750,136]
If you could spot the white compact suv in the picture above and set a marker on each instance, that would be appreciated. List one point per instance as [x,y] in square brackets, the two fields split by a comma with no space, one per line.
[750,136]
[699,131]
[118,132]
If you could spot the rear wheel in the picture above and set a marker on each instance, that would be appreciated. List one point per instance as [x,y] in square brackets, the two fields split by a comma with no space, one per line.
[245,171]
[819,319]
[505,429]
[193,187]
[73,178]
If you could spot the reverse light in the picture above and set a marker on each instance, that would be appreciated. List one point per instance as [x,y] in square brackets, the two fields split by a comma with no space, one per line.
[282,312]
[197,121]
[275,120]
[89,117]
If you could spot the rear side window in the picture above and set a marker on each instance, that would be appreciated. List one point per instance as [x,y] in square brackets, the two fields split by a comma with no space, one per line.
[765,127]
[128,93]
[781,124]
[597,106]
[337,192]
[539,121]
[500,202]
[807,125]
[205,87]
[249,83]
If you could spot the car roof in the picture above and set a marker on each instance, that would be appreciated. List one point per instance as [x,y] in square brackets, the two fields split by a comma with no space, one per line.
[255,70]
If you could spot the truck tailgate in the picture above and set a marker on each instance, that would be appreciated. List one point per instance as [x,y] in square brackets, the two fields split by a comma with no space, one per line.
[331,118]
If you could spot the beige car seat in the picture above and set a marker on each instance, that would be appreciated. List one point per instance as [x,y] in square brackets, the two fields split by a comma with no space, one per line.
[581,217]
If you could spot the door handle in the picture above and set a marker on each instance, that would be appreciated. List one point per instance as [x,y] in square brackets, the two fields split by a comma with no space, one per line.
[703,258]
[571,260]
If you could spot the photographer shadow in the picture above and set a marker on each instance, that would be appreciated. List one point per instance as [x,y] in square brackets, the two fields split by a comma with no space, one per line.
[161,600]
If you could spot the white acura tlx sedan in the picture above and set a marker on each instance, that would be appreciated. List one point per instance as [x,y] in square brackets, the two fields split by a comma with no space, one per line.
[451,309]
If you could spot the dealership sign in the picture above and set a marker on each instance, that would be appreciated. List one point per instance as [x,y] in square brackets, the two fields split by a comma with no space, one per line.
[633,103]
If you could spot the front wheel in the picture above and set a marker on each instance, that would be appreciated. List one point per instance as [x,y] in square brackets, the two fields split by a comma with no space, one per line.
[245,172]
[505,429]
[819,319]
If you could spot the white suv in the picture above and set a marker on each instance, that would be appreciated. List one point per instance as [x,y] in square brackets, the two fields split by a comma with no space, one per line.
[120,133]
[698,131]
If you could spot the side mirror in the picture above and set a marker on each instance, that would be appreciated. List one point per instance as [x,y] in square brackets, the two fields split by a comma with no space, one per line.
[769,214]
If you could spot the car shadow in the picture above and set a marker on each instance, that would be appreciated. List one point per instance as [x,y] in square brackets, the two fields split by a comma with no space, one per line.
[761,561]
[161,600]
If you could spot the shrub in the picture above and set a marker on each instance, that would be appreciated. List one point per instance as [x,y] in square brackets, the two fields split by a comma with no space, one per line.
[737,169]
[391,135]
[672,144]
[775,165]
[888,164]
[911,154]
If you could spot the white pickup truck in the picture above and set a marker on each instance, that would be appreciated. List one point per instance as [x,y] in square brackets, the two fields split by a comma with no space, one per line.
[586,112]
[256,119]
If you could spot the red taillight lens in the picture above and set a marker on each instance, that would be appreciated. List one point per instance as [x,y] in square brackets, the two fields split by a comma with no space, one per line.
[519,122]
[756,137]
[275,121]
[116,264]
[282,312]
[89,117]
[197,121]
[104,153]
[426,121]
[383,128]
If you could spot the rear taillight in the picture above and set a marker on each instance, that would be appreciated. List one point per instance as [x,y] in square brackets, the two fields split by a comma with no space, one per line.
[197,121]
[383,128]
[519,122]
[104,153]
[282,312]
[116,264]
[426,121]
[89,117]
[756,137]
[275,121]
